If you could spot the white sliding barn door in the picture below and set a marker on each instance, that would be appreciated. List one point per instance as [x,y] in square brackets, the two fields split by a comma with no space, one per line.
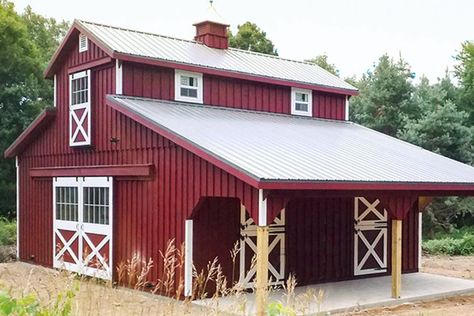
[83,225]
[370,237]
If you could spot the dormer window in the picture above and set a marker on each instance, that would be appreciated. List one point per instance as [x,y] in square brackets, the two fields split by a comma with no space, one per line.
[301,102]
[188,86]
[83,43]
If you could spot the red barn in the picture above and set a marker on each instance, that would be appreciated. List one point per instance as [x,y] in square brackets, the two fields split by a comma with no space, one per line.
[153,138]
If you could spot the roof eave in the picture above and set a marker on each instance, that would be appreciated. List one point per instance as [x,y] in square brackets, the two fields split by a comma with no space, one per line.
[427,187]
[30,133]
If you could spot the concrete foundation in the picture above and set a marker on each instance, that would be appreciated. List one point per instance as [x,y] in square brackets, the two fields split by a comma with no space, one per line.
[353,295]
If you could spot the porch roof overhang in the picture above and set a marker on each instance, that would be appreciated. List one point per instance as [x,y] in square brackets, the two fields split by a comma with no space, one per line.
[282,152]
[31,132]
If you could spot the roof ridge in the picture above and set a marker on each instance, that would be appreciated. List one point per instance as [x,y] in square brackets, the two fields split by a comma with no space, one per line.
[137,31]
[196,42]
[230,109]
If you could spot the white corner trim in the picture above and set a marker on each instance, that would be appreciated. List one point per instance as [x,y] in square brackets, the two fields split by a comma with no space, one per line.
[294,111]
[118,77]
[188,258]
[262,209]
[346,111]
[420,238]
[55,90]
[177,86]
[17,164]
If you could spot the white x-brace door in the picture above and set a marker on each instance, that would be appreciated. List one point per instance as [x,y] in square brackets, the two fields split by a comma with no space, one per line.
[248,248]
[370,237]
[83,225]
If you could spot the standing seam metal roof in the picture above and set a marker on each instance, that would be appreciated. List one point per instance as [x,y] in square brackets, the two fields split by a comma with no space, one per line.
[281,147]
[193,53]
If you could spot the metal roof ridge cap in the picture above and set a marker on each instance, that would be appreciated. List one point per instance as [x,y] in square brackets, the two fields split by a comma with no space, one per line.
[141,32]
[82,22]
[230,109]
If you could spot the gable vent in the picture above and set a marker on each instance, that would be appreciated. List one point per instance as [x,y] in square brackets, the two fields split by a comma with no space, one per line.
[83,43]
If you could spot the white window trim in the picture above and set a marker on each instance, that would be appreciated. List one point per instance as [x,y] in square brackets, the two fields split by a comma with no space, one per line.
[83,48]
[177,86]
[294,111]
[85,105]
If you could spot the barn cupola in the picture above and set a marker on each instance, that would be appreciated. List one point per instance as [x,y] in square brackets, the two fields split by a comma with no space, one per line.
[212,31]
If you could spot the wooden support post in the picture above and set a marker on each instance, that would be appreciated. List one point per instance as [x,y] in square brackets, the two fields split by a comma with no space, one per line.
[396,257]
[262,270]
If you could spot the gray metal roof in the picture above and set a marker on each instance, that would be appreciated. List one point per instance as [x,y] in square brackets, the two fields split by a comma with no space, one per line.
[282,147]
[193,53]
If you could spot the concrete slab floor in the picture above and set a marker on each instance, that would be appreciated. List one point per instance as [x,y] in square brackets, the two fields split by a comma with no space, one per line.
[353,295]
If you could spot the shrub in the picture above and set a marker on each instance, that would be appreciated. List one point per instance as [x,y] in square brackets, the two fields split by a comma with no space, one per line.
[458,243]
[30,305]
[7,232]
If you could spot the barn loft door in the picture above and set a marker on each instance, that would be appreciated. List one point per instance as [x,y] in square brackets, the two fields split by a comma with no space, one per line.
[248,249]
[370,237]
[80,109]
[83,225]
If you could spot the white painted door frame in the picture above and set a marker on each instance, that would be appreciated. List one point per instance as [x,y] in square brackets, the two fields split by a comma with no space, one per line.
[363,225]
[82,229]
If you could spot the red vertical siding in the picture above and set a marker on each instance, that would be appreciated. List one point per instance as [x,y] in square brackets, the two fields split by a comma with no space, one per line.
[76,58]
[147,213]
[329,106]
[216,228]
[320,240]
[158,83]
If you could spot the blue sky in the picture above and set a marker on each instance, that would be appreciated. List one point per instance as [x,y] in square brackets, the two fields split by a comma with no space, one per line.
[352,33]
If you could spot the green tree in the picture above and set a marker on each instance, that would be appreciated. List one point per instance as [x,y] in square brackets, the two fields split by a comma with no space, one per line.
[385,94]
[23,91]
[464,71]
[46,33]
[441,129]
[250,37]
[322,61]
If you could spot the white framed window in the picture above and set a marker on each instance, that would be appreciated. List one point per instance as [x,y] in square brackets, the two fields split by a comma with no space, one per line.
[83,43]
[188,86]
[301,102]
[80,109]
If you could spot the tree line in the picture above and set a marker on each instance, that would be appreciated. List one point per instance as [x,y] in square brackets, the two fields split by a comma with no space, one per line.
[438,116]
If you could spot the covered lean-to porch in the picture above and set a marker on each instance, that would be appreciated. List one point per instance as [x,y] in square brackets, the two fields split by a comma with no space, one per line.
[330,200]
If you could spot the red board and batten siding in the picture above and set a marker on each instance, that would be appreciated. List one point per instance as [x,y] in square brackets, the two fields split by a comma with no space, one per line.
[147,213]
[320,240]
[158,82]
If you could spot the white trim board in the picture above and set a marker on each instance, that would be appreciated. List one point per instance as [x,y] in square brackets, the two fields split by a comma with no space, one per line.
[188,258]
[17,164]
[118,77]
